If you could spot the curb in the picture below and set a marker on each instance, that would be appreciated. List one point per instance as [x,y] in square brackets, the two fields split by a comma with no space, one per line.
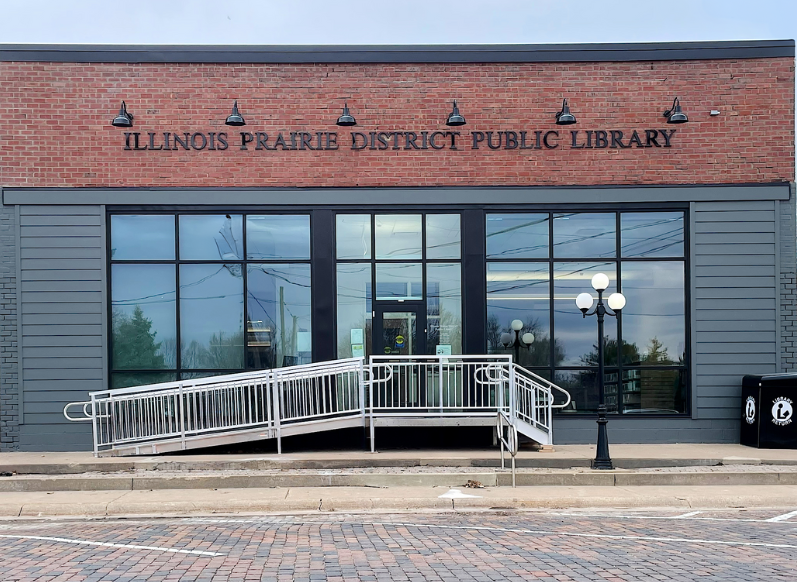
[253,501]
[103,482]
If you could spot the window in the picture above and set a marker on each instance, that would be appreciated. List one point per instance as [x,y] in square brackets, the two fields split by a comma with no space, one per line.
[194,295]
[415,259]
[645,348]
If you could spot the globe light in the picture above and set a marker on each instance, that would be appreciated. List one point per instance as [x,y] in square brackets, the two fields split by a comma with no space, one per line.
[600,282]
[528,338]
[506,340]
[517,325]
[584,302]
[616,301]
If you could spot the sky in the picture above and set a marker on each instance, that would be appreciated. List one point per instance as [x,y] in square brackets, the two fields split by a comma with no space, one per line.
[264,22]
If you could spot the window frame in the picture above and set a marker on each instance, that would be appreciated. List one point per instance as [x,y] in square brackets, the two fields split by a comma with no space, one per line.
[180,372]
[617,260]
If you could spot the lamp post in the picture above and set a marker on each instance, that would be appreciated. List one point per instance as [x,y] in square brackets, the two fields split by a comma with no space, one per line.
[616,302]
[517,342]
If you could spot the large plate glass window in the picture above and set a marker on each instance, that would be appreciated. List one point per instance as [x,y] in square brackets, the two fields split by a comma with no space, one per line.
[642,252]
[202,294]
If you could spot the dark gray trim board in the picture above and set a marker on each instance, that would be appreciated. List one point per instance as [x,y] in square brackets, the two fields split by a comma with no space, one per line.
[393,196]
[498,53]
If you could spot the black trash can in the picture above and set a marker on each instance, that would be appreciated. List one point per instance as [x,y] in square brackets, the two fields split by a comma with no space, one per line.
[768,404]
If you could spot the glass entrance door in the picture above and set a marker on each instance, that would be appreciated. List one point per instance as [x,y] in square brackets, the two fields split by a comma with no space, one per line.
[399,329]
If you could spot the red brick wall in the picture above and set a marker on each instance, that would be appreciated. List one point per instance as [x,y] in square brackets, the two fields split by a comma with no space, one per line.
[55,122]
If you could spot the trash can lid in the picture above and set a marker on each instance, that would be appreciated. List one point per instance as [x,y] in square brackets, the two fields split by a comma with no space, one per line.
[786,379]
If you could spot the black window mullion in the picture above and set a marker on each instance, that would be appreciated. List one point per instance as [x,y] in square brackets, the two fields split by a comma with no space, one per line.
[552,298]
[619,325]
[178,361]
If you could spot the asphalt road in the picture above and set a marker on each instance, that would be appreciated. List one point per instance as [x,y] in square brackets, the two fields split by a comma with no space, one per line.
[557,546]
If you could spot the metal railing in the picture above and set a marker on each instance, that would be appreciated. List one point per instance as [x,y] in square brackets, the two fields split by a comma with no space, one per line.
[267,400]
[312,397]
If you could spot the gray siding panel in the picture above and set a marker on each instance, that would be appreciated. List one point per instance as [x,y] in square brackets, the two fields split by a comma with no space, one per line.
[62,340]
[61,308]
[720,215]
[735,300]
[62,220]
[62,286]
[64,319]
[62,253]
[76,275]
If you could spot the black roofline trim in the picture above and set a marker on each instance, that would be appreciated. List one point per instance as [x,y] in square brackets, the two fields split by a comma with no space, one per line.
[498,53]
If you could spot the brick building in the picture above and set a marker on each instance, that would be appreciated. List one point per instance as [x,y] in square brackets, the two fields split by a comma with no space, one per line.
[186,242]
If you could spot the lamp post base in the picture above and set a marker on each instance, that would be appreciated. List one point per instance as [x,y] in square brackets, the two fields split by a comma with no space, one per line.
[602,458]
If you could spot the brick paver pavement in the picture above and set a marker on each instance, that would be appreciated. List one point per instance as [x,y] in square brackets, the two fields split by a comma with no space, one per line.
[549,546]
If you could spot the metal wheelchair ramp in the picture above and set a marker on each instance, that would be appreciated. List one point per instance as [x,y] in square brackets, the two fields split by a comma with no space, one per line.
[311,398]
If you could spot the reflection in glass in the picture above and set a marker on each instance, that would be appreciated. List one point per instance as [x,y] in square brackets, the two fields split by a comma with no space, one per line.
[652,234]
[398,333]
[211,316]
[354,309]
[399,281]
[648,391]
[654,316]
[584,235]
[198,375]
[583,388]
[353,236]
[278,236]
[211,237]
[520,291]
[444,308]
[279,331]
[143,317]
[142,237]
[517,236]
[398,236]
[442,236]
[130,379]
[576,336]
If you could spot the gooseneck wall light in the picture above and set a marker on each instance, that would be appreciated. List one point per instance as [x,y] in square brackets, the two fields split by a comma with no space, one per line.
[674,113]
[517,341]
[123,119]
[235,118]
[454,118]
[564,117]
[346,119]
[600,283]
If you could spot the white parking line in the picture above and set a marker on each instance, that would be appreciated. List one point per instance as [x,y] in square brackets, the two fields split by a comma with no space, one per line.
[683,516]
[783,517]
[596,536]
[690,514]
[110,545]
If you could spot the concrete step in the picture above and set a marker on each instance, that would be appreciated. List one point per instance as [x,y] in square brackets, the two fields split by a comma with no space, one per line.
[489,460]
[399,477]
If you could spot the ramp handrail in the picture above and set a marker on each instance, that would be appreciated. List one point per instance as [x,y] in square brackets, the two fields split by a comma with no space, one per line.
[510,442]
[323,394]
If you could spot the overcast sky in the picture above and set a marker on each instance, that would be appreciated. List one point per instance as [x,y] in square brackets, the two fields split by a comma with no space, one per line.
[394,22]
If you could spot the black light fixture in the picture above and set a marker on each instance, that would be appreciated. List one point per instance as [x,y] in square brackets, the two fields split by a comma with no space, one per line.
[674,113]
[564,117]
[124,119]
[235,117]
[347,119]
[454,118]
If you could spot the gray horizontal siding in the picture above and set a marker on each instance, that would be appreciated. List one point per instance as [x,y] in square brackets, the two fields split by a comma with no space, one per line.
[62,282]
[734,304]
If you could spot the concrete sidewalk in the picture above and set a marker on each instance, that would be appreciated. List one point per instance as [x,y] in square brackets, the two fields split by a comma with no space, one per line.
[310,499]
[564,456]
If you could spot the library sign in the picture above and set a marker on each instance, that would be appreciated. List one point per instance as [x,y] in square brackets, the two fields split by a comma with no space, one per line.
[399,140]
